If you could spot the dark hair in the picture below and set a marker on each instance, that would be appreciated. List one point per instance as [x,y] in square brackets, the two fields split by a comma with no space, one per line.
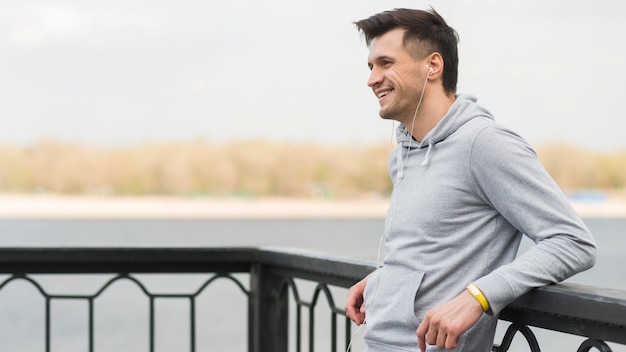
[426,32]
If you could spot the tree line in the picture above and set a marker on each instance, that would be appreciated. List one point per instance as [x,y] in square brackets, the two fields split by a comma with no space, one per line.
[250,168]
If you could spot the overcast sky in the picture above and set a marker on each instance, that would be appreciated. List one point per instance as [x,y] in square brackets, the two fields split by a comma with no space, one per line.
[126,71]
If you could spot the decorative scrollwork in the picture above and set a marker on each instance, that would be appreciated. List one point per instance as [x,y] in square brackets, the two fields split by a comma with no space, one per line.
[588,344]
[335,313]
[510,333]
[90,298]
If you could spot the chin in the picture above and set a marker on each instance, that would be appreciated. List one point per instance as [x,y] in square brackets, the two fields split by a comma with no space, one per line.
[386,115]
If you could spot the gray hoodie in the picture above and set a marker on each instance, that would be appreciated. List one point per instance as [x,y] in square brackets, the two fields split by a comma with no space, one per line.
[461,201]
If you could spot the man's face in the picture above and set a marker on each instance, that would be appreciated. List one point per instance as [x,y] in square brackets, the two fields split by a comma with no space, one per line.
[396,77]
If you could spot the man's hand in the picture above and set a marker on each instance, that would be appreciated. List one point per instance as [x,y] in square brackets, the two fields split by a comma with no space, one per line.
[443,325]
[355,306]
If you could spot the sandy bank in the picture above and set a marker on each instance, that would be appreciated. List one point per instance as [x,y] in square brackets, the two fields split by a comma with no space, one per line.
[49,206]
[31,206]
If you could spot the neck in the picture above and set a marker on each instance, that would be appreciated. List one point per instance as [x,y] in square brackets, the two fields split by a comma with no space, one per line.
[431,111]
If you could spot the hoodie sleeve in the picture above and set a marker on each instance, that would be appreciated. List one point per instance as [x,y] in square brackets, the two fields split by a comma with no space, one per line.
[508,175]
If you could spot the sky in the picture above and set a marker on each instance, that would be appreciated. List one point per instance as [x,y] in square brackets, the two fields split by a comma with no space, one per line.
[121,72]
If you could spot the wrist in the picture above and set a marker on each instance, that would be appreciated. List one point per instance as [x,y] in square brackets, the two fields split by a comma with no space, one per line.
[479,296]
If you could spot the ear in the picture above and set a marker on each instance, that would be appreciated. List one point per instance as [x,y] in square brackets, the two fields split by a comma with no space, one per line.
[435,64]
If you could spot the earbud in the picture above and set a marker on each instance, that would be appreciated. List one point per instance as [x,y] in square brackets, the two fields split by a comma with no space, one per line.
[431,70]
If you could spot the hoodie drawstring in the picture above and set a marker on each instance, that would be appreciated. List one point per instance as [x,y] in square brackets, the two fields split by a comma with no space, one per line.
[400,163]
[400,160]
[426,160]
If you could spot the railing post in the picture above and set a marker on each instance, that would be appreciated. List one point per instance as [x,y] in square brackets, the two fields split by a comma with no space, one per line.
[268,321]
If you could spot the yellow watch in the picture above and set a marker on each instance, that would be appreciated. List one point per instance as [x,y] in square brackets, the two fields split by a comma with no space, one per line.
[480,297]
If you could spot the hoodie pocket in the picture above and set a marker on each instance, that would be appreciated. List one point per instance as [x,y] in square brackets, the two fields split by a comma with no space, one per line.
[390,297]
[369,293]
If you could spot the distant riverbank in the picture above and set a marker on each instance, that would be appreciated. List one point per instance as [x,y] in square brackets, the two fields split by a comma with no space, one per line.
[53,206]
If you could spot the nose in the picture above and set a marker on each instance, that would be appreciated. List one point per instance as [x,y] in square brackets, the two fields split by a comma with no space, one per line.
[375,78]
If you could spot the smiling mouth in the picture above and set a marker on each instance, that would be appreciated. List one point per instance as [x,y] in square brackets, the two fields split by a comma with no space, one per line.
[384,93]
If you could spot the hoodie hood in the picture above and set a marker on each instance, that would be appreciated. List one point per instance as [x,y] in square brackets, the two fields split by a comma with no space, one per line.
[462,110]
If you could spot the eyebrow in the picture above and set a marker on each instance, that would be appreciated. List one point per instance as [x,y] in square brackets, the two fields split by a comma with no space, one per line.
[380,58]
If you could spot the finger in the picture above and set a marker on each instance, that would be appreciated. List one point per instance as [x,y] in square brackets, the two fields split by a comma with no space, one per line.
[422,344]
[449,338]
[451,341]
[356,316]
[431,336]
[350,313]
[358,319]
[421,334]
[348,310]
[351,305]
[441,339]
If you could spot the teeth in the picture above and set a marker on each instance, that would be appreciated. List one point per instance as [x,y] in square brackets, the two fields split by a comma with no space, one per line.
[382,94]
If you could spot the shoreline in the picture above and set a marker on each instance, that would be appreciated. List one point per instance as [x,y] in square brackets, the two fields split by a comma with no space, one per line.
[152,207]
[122,207]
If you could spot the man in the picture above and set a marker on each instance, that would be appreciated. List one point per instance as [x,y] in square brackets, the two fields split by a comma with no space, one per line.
[465,190]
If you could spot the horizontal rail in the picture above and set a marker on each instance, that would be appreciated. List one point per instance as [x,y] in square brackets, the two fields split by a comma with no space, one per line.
[575,309]
[592,312]
[77,260]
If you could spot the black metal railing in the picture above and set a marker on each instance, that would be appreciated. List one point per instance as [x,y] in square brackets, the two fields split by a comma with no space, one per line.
[278,285]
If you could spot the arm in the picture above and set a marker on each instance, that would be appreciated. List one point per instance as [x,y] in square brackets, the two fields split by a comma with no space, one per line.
[509,177]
